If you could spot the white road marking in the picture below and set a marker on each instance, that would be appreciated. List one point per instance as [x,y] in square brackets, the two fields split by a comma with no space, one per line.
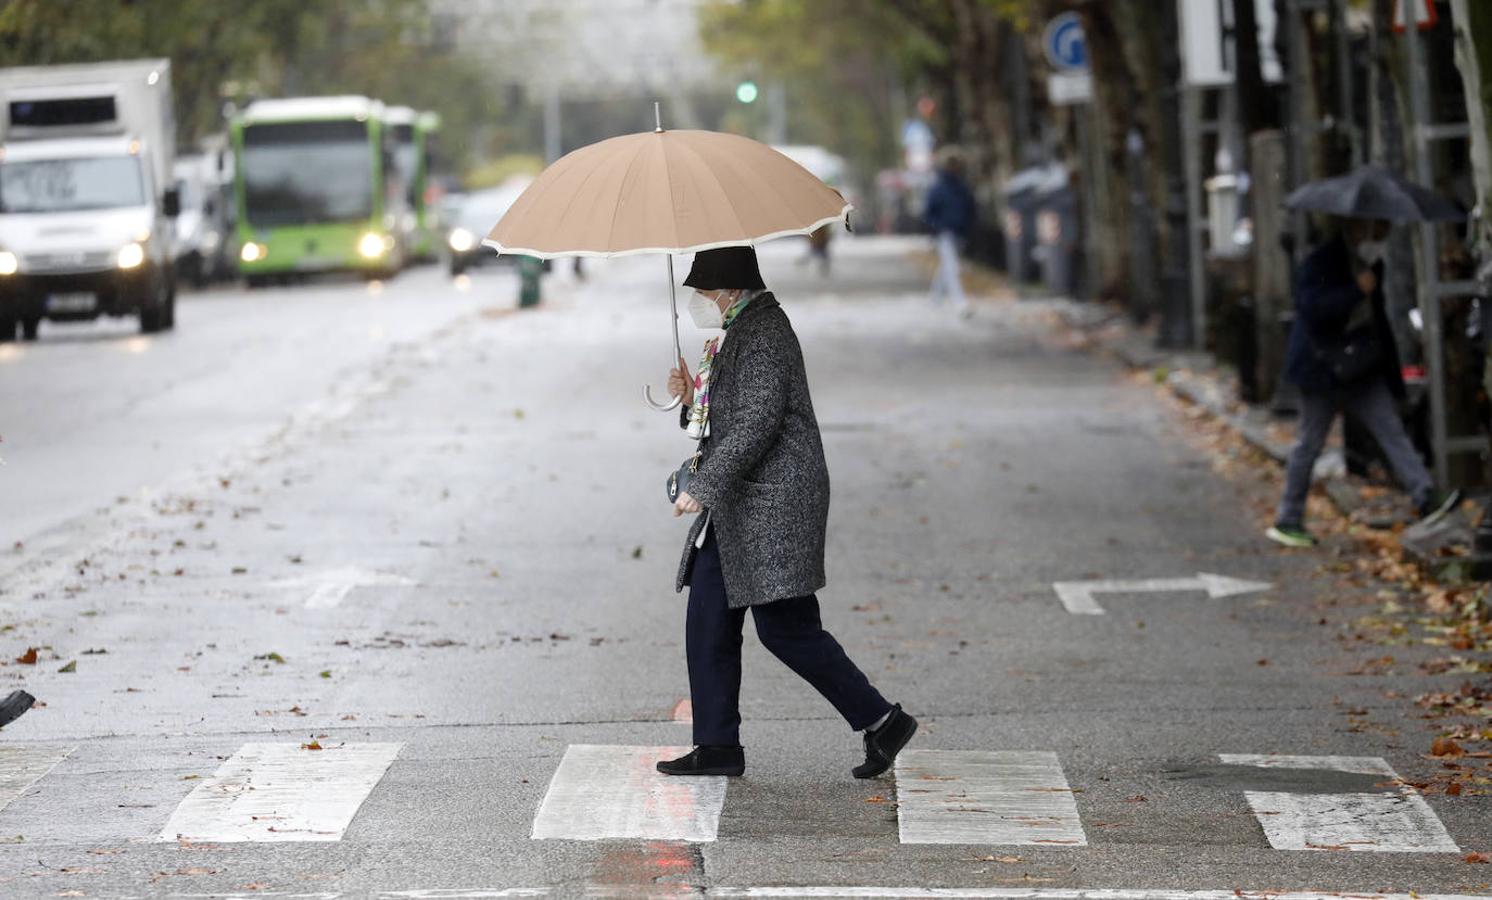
[601,792]
[985,797]
[332,586]
[462,893]
[1068,894]
[1078,596]
[22,766]
[1399,821]
[281,792]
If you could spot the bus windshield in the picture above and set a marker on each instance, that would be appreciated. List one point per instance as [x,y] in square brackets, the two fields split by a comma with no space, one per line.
[64,185]
[301,172]
[406,161]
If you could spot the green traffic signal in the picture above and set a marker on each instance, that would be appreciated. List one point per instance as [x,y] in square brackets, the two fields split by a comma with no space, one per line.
[746,92]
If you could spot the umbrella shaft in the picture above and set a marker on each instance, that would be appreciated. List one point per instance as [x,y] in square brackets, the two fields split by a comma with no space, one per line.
[673,308]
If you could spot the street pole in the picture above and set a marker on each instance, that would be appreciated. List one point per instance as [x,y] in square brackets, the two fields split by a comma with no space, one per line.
[1429,258]
[776,113]
[1192,156]
[552,123]
[1175,329]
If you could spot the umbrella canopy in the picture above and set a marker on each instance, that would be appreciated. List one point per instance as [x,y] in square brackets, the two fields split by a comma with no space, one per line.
[665,192]
[1373,192]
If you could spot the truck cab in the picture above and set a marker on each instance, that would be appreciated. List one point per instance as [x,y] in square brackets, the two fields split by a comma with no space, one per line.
[86,198]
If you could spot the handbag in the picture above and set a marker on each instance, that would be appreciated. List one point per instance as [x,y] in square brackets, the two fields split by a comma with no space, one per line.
[1359,355]
[678,482]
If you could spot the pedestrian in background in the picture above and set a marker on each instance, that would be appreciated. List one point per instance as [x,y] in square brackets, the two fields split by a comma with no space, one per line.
[949,215]
[762,489]
[1342,357]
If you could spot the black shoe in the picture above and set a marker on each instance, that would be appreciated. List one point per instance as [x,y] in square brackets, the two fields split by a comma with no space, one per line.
[13,705]
[706,761]
[1437,505]
[882,744]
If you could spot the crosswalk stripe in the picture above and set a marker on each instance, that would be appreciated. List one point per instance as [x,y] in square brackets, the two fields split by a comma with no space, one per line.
[21,767]
[1392,821]
[908,893]
[602,792]
[281,792]
[985,797]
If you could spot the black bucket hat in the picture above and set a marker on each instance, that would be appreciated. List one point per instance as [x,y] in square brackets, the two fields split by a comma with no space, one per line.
[725,269]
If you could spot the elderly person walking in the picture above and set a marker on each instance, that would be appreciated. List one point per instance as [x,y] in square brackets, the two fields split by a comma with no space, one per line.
[761,492]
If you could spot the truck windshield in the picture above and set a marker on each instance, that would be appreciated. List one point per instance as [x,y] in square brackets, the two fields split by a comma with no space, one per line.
[302,172]
[63,185]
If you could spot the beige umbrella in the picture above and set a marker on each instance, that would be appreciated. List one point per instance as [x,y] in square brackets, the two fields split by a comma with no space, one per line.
[665,192]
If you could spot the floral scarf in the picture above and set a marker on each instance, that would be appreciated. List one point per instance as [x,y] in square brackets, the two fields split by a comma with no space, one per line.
[699,415]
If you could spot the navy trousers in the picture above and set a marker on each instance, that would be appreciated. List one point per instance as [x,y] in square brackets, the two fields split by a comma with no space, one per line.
[789,628]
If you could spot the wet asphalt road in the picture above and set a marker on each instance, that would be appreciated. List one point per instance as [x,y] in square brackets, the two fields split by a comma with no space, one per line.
[410,515]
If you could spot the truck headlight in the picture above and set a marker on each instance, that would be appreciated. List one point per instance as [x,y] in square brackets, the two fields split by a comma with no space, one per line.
[131,255]
[252,252]
[461,240]
[9,265]
[372,245]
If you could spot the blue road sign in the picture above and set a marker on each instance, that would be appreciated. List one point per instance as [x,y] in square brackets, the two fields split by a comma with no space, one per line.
[1063,42]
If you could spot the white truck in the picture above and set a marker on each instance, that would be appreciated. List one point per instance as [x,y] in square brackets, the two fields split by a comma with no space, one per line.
[87,198]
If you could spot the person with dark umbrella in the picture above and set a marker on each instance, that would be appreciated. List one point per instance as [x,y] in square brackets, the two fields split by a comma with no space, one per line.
[761,495]
[1342,357]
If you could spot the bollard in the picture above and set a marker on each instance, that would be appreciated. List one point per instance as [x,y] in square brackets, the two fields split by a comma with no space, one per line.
[529,269]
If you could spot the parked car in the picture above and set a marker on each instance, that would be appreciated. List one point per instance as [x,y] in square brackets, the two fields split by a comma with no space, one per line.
[470,216]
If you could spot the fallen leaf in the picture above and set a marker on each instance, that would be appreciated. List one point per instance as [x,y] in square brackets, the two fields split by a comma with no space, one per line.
[1483,858]
[28,658]
[876,799]
[1444,746]
[72,666]
[313,744]
[271,657]
[1453,789]
[326,673]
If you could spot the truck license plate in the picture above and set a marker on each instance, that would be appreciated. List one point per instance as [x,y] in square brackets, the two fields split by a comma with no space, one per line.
[71,303]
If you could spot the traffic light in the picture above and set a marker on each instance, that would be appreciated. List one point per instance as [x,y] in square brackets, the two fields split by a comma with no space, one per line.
[746,92]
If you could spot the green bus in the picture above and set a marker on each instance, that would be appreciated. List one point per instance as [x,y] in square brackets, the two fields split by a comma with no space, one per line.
[316,189]
[415,136]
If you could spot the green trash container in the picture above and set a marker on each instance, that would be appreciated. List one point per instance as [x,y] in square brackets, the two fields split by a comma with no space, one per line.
[529,270]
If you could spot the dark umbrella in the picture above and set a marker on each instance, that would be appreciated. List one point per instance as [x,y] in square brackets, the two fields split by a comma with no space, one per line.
[1373,192]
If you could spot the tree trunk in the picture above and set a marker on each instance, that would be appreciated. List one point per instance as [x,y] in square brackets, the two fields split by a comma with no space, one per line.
[1113,101]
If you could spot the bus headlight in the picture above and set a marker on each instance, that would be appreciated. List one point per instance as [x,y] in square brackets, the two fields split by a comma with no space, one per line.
[9,265]
[252,252]
[461,240]
[372,245]
[131,255]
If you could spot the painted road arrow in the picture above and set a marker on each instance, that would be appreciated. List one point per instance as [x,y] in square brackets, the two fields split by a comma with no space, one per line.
[1077,596]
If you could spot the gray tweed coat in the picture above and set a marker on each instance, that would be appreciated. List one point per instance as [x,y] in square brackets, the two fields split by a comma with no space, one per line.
[762,476]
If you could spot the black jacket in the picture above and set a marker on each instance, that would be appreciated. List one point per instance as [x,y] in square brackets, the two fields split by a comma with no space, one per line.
[1326,293]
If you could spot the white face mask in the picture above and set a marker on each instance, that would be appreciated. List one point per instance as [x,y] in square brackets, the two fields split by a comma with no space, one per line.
[705,312]
[1371,252]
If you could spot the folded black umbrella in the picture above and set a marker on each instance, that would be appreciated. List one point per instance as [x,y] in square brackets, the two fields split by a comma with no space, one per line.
[1373,192]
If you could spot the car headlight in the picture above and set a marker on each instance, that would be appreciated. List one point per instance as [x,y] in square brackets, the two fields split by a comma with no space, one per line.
[131,255]
[461,240]
[9,264]
[252,252]
[372,246]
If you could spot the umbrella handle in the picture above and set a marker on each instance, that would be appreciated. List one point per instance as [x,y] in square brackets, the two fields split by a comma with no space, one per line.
[647,394]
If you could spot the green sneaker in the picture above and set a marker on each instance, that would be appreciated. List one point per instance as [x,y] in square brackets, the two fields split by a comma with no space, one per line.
[1290,536]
